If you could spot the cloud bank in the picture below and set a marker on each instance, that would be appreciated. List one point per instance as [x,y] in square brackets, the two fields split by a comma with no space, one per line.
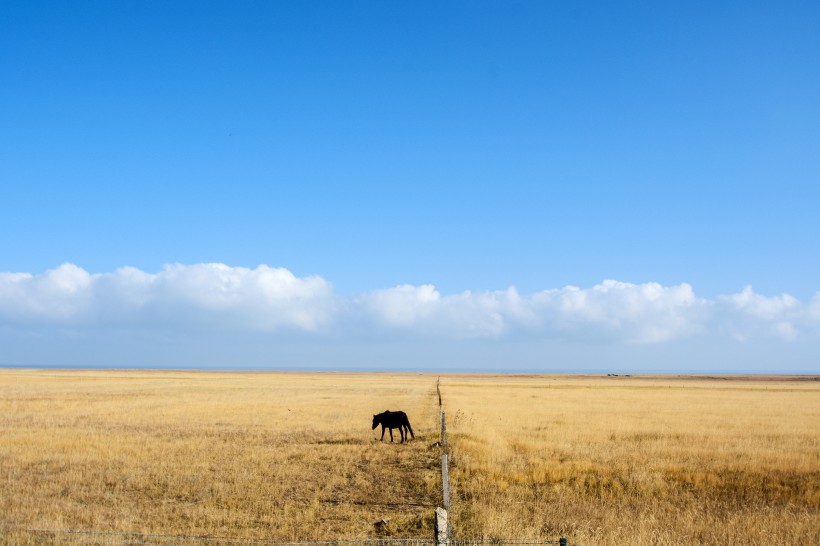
[205,298]
[180,296]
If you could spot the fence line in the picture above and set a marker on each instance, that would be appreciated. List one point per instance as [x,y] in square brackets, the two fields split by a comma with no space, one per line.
[494,541]
[117,538]
[445,482]
[443,535]
[443,429]
[445,466]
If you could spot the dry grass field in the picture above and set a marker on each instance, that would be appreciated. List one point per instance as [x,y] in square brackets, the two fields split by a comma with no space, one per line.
[621,460]
[278,456]
[290,456]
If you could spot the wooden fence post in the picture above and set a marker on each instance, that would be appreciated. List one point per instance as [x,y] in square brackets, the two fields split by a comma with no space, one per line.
[443,430]
[442,533]
[442,524]
[445,482]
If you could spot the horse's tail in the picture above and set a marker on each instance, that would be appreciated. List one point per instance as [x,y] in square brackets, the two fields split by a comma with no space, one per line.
[407,424]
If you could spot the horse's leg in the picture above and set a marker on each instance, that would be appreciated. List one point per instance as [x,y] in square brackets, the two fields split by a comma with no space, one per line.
[391,433]
[382,440]
[401,431]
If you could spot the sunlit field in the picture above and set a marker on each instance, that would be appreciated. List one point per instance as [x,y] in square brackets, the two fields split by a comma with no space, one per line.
[277,456]
[620,460]
[291,456]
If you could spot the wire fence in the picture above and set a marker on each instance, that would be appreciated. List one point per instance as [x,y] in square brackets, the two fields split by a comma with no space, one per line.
[118,538]
[493,541]
[62,537]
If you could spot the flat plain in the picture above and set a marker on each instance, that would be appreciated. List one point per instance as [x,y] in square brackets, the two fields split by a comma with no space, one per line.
[291,456]
[637,460]
[277,456]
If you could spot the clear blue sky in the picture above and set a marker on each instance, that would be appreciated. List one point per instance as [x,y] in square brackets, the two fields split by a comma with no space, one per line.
[473,146]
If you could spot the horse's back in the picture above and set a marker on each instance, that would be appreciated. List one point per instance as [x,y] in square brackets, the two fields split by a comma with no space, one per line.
[396,418]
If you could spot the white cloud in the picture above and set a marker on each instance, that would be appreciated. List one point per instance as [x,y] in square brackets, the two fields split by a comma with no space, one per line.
[263,298]
[403,305]
[208,297]
[640,313]
[761,307]
[56,295]
[748,314]
[612,310]
[422,310]
[487,314]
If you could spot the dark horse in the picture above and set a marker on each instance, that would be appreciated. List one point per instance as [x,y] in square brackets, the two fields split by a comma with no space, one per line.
[393,419]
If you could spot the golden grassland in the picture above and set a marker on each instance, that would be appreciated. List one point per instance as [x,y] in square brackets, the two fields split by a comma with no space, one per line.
[290,456]
[644,460]
[279,456]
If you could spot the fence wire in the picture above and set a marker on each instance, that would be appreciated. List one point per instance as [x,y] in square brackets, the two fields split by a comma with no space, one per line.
[117,538]
[492,541]
[47,537]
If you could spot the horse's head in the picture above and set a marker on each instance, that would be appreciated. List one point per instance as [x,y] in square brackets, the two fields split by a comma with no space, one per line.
[375,422]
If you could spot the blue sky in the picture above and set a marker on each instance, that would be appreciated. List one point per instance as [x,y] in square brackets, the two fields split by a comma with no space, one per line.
[380,185]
